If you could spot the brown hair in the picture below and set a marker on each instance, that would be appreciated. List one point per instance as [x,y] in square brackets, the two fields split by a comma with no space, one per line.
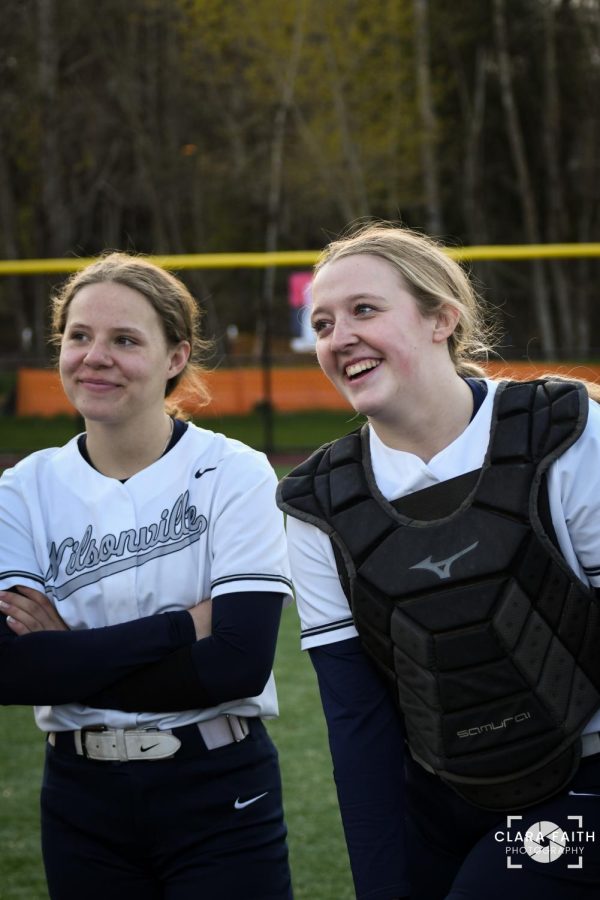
[169,297]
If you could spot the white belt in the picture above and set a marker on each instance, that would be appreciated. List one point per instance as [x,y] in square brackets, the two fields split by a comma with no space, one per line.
[124,744]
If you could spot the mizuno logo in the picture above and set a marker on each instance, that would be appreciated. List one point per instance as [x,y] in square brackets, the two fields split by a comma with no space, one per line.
[202,472]
[443,566]
[242,804]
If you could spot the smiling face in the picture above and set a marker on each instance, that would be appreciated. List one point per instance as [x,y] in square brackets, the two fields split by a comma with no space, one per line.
[114,358]
[373,343]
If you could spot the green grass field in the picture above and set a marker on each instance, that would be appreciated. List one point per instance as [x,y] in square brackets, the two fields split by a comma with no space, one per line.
[319,861]
[292,432]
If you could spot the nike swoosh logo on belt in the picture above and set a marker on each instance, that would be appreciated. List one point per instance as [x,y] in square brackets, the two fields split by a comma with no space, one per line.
[143,749]
[241,804]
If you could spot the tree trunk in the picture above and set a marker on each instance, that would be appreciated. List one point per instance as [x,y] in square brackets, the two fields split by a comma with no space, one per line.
[428,119]
[473,128]
[337,187]
[557,215]
[356,186]
[59,229]
[277,147]
[541,297]
[586,286]
[585,162]
[273,215]
[8,228]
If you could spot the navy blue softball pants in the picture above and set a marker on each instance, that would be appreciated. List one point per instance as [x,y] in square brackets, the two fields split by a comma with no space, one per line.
[549,851]
[172,829]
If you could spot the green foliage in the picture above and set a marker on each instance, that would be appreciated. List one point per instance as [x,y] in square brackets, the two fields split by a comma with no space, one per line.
[318,856]
[155,126]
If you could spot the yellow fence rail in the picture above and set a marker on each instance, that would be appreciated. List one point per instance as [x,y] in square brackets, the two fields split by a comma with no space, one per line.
[293,258]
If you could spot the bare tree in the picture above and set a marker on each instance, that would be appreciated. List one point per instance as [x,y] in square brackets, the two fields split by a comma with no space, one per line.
[59,218]
[474,120]
[557,212]
[274,207]
[428,119]
[527,198]
[356,184]
[584,162]
[8,247]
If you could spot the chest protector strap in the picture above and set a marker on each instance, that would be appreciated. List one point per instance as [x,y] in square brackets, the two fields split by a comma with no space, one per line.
[487,639]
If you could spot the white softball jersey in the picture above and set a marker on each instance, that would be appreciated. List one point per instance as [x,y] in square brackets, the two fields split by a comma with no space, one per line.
[199,522]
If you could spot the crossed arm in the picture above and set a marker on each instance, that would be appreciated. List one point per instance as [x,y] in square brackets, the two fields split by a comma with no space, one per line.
[28,611]
[214,652]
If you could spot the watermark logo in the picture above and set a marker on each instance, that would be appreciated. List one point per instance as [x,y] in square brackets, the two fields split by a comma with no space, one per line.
[545,842]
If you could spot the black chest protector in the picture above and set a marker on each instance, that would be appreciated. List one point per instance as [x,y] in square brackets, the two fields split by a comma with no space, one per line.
[489,642]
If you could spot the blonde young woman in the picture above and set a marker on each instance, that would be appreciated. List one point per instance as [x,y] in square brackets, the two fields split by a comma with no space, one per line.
[143,570]
[446,561]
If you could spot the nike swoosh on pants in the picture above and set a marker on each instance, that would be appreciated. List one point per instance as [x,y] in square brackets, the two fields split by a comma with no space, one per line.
[241,804]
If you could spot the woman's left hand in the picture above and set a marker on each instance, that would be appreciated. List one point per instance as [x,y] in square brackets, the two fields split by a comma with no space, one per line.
[28,610]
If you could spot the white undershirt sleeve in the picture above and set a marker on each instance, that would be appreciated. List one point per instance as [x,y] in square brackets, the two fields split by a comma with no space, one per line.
[574,493]
[322,605]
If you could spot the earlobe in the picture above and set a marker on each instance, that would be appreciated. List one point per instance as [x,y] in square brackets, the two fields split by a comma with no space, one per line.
[179,358]
[446,321]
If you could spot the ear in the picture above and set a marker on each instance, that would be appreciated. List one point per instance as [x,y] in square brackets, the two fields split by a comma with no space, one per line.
[445,322]
[178,357]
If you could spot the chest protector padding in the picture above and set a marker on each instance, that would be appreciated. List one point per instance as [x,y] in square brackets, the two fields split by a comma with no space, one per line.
[487,639]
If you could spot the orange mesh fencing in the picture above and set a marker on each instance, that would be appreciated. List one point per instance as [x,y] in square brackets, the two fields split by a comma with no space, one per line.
[238,391]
